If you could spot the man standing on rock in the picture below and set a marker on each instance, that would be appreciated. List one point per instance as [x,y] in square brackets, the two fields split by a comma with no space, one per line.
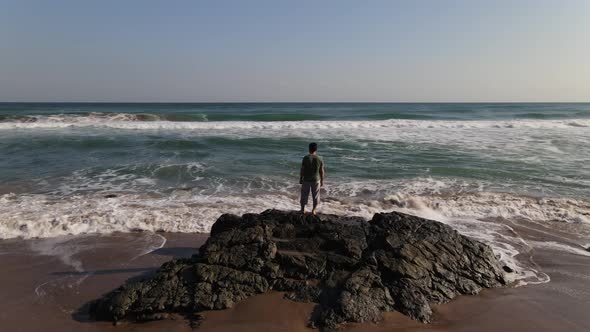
[311,177]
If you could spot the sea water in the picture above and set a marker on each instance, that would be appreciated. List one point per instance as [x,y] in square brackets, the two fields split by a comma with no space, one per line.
[100,168]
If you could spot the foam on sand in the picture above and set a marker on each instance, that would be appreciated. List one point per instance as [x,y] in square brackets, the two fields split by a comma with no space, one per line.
[472,214]
[40,216]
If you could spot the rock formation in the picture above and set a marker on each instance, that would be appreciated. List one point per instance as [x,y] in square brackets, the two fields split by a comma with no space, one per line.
[352,268]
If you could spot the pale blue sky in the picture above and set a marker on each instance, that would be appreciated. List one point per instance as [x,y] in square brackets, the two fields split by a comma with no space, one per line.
[415,50]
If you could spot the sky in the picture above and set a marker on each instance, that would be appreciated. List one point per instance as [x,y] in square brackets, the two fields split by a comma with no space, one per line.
[305,50]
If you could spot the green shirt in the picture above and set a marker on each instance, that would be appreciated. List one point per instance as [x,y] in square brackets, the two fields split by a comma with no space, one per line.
[311,166]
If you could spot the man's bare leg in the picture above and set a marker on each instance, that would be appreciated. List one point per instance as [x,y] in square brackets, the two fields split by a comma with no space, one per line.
[313,210]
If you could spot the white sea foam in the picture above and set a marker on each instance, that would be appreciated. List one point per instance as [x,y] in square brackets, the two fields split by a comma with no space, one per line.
[150,248]
[88,119]
[134,122]
[62,248]
[69,248]
[552,245]
[493,140]
[30,215]
[470,212]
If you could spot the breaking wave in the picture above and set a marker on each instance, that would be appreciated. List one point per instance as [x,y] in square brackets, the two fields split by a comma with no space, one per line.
[200,122]
[109,207]
[485,216]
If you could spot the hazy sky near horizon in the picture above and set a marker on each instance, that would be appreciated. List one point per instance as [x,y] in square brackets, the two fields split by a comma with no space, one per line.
[205,51]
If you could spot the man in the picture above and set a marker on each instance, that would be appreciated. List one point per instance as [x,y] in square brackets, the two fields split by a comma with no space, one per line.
[311,177]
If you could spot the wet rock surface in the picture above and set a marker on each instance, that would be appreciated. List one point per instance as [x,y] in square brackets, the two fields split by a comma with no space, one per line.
[353,269]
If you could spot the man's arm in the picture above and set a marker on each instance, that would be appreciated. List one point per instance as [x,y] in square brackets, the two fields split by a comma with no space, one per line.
[301,175]
[301,171]
[322,175]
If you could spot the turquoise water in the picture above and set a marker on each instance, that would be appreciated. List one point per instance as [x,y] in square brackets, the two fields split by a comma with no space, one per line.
[178,166]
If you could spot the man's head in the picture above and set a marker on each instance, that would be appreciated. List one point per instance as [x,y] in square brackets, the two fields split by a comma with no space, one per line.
[313,147]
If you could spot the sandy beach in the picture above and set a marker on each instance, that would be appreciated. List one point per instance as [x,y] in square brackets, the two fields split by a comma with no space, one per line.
[46,284]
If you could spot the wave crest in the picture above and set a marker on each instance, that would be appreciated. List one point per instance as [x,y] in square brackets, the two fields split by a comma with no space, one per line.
[156,122]
[82,119]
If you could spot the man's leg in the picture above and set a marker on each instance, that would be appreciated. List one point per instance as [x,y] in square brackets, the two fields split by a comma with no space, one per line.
[305,189]
[315,194]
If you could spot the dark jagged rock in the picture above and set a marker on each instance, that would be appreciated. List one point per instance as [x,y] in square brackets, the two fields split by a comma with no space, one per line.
[353,269]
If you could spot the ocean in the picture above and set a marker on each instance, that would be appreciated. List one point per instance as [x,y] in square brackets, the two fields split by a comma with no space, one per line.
[77,168]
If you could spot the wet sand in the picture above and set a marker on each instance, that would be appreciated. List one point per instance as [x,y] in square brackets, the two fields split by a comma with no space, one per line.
[45,284]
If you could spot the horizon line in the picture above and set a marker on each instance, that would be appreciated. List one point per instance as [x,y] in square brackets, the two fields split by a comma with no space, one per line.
[294,102]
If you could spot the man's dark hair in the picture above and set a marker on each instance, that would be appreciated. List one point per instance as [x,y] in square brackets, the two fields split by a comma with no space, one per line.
[313,147]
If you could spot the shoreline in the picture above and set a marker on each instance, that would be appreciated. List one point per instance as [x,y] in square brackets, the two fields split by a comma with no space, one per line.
[48,282]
